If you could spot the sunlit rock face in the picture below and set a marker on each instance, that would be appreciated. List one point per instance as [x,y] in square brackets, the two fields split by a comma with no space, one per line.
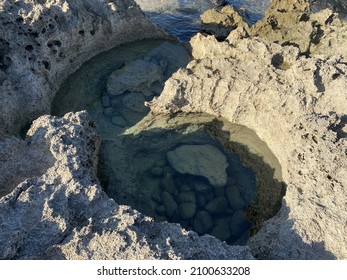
[297,105]
[42,42]
[275,112]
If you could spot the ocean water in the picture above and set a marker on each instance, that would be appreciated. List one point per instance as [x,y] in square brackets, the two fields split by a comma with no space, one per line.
[181,17]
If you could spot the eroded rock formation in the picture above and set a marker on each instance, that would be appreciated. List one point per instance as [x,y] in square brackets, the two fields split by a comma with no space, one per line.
[297,105]
[42,42]
[64,214]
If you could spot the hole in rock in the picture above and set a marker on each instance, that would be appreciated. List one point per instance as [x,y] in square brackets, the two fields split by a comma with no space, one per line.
[29,48]
[194,170]
[208,175]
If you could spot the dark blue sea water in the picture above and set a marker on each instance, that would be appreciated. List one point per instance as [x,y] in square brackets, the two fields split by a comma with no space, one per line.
[181,17]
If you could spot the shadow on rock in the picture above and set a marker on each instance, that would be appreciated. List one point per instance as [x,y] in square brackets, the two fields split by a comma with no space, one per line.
[158,168]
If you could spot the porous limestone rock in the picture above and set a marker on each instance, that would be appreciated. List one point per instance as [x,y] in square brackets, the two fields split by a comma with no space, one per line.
[200,160]
[221,22]
[298,106]
[42,42]
[292,23]
[64,214]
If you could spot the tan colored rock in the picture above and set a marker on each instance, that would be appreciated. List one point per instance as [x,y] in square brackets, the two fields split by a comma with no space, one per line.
[292,23]
[297,105]
[200,160]
[221,22]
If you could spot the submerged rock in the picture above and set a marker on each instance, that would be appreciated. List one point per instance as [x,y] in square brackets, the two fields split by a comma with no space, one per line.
[119,121]
[201,160]
[187,210]
[217,205]
[221,232]
[203,222]
[169,203]
[136,76]
[74,219]
[234,198]
[238,224]
[134,101]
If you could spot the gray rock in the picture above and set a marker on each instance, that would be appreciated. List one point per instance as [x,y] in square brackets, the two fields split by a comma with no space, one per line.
[147,93]
[234,198]
[134,101]
[169,170]
[200,201]
[187,197]
[185,188]
[105,101]
[169,203]
[160,163]
[156,198]
[157,88]
[187,210]
[119,121]
[169,56]
[209,196]
[202,222]
[221,232]
[136,76]
[168,184]
[223,221]
[116,102]
[201,160]
[157,171]
[108,112]
[201,187]
[217,205]
[219,192]
[238,224]
[160,209]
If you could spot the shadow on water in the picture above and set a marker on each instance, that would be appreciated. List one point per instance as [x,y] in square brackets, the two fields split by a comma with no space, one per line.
[139,169]
[136,170]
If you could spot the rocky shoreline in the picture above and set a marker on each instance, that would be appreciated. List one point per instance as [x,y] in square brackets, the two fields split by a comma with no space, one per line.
[285,83]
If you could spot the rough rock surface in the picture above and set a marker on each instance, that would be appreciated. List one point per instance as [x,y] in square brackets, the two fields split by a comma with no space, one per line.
[221,22]
[298,106]
[42,42]
[200,160]
[64,214]
[292,23]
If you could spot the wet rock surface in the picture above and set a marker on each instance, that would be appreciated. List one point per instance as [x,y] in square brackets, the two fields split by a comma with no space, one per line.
[200,160]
